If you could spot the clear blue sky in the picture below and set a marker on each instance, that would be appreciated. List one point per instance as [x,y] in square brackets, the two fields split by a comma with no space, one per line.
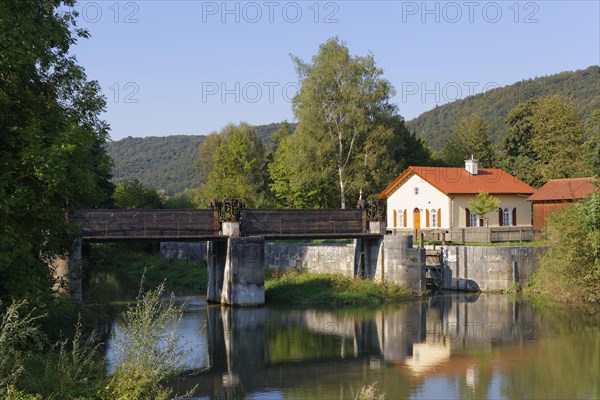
[191,67]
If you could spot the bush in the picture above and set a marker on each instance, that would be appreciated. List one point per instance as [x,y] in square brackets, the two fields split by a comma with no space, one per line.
[71,368]
[18,332]
[570,271]
[147,348]
[369,392]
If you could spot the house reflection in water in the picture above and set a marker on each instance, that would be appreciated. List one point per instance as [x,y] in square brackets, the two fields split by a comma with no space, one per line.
[325,353]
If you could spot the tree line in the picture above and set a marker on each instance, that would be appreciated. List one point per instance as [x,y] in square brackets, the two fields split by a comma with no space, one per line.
[350,142]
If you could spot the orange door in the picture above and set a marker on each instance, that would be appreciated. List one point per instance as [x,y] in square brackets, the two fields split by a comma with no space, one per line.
[417,218]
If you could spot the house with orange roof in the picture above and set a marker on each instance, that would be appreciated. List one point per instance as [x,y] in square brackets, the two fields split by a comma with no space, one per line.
[556,194]
[438,197]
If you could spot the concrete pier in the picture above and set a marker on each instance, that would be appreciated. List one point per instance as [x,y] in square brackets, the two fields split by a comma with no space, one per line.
[403,264]
[236,273]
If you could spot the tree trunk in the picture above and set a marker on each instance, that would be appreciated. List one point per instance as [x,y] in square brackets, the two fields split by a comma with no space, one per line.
[342,188]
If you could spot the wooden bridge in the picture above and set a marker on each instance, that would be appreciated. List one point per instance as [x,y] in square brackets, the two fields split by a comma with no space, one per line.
[206,225]
[236,242]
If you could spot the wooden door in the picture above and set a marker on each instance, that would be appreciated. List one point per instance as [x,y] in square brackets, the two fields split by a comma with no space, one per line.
[417,218]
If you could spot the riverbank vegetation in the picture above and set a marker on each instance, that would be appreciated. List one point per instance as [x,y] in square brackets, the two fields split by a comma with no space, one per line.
[297,287]
[570,271]
[33,367]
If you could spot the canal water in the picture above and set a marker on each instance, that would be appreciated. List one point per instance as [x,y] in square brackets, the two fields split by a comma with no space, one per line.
[452,346]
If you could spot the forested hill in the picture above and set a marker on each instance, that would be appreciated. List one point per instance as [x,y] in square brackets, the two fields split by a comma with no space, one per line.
[582,86]
[166,163]
[169,162]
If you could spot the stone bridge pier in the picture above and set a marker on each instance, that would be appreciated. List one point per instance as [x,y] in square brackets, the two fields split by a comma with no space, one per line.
[236,269]
[67,272]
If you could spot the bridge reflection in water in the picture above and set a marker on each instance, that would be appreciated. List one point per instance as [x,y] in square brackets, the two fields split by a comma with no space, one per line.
[332,353]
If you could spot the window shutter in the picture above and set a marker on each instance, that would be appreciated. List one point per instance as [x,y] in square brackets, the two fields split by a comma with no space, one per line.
[514,217]
[439,218]
[468,214]
[405,218]
[395,218]
[427,217]
[500,217]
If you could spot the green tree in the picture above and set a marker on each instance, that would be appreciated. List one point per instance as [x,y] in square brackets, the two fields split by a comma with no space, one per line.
[281,133]
[517,154]
[471,138]
[342,101]
[132,194]
[592,142]
[558,138]
[546,140]
[571,268]
[483,204]
[232,164]
[51,141]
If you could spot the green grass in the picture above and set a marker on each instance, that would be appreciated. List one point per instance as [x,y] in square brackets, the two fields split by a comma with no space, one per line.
[296,287]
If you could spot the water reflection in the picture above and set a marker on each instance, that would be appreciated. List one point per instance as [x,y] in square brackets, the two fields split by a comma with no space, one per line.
[456,346]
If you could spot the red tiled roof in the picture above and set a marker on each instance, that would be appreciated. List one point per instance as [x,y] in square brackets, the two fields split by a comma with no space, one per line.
[564,189]
[460,181]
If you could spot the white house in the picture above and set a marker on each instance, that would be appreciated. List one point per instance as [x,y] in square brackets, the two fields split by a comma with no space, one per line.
[437,197]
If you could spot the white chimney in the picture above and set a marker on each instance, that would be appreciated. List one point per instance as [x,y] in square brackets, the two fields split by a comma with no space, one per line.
[471,166]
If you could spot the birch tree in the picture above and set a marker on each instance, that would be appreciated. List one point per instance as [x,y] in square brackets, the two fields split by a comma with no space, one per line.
[341,101]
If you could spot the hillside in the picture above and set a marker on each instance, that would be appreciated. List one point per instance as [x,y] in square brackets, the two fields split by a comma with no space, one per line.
[163,162]
[168,162]
[582,86]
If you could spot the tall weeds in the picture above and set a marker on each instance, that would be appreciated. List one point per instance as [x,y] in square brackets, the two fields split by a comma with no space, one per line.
[18,332]
[147,347]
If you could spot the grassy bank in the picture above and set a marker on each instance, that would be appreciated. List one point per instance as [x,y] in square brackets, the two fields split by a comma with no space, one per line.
[295,287]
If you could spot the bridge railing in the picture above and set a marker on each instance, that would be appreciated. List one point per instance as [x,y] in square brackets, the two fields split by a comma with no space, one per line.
[302,222]
[146,224]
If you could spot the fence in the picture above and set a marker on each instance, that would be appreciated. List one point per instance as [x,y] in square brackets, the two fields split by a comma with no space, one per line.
[473,234]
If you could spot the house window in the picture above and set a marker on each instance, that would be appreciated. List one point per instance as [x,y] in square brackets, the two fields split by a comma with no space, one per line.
[506,217]
[416,191]
[474,220]
[434,218]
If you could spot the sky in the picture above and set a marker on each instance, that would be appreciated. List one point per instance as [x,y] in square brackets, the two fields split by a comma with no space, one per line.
[191,67]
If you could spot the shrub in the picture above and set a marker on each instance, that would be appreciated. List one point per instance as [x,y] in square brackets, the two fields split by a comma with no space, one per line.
[147,348]
[369,392]
[571,269]
[71,368]
[18,332]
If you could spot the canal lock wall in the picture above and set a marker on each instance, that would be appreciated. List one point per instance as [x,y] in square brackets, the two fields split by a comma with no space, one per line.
[392,259]
[489,268]
[395,259]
